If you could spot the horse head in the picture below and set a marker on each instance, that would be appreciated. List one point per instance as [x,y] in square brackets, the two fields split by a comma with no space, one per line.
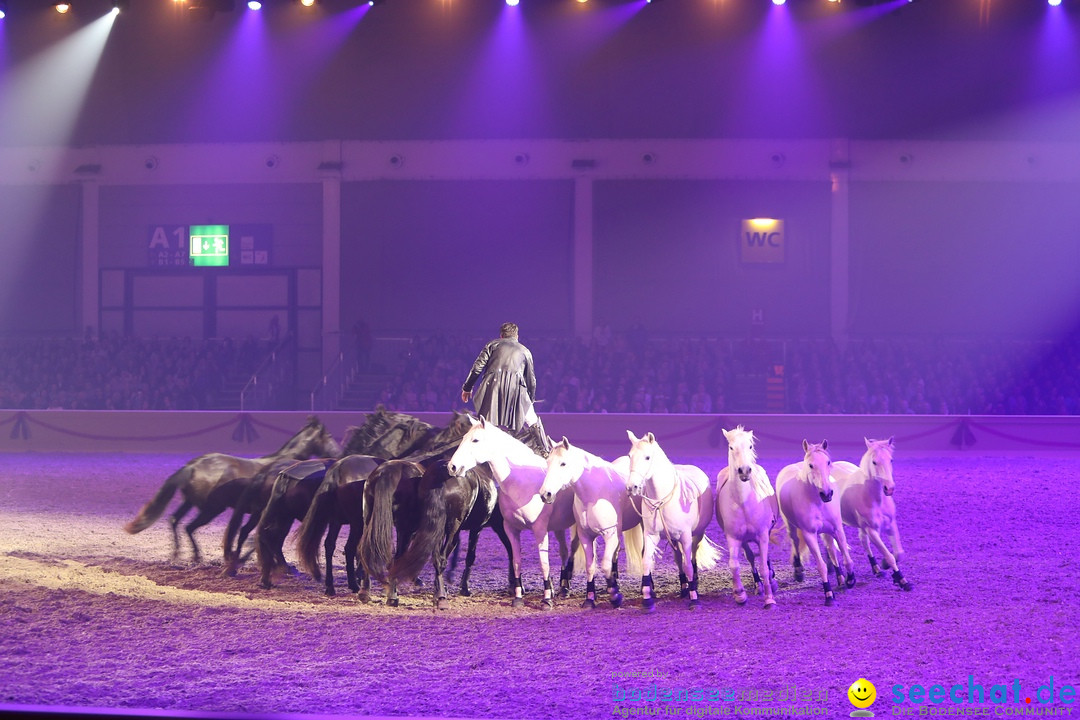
[877,463]
[817,468]
[645,455]
[472,450]
[565,466]
[315,440]
[741,454]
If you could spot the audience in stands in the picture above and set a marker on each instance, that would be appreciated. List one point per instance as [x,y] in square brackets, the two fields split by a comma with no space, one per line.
[607,372]
[113,372]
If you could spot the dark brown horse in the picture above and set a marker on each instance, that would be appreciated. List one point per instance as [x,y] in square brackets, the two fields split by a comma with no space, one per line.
[449,504]
[200,476]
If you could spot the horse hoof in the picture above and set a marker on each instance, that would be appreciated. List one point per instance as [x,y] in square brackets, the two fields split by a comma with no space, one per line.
[465,592]
[265,585]
[517,602]
[392,602]
[588,604]
[443,604]
[849,581]
[906,585]
[684,593]
[616,600]
[564,593]
[799,575]
[740,598]
[828,599]
[694,604]
[648,604]
[363,597]
[770,604]
[330,592]
[547,604]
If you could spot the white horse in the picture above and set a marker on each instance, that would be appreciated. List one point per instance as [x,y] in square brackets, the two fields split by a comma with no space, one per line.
[866,503]
[805,491]
[601,509]
[747,511]
[676,500]
[519,472]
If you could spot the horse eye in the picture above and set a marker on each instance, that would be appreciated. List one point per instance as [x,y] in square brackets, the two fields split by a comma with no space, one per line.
[475,440]
[647,457]
[875,462]
[562,464]
[811,466]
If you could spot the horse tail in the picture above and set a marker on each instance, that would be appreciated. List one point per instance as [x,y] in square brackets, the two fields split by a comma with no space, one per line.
[376,543]
[314,524]
[422,544]
[707,554]
[634,544]
[152,510]
[578,547]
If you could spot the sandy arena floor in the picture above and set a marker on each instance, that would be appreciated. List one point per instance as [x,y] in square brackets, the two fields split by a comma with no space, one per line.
[93,617]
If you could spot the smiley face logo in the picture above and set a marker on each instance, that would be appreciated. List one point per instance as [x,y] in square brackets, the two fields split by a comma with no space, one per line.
[862,693]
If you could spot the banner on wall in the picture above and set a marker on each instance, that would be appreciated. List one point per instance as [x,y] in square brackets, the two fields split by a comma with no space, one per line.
[761,240]
[209,245]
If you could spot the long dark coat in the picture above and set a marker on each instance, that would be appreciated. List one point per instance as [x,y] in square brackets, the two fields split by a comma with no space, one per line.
[507,384]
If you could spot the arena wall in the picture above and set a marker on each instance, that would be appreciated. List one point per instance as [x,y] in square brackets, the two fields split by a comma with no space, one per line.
[251,434]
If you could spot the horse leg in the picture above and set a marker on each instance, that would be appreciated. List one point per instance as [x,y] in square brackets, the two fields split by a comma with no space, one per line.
[811,540]
[566,573]
[358,579]
[648,601]
[589,545]
[796,556]
[204,516]
[504,538]
[329,544]
[897,576]
[241,537]
[864,540]
[894,531]
[545,567]
[832,558]
[174,520]
[749,552]
[611,560]
[470,558]
[689,546]
[845,552]
[516,588]
[736,572]
[766,568]
[438,559]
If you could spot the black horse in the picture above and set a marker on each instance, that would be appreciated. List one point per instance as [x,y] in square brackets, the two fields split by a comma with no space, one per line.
[248,498]
[448,505]
[396,500]
[199,477]
[339,501]
[291,496]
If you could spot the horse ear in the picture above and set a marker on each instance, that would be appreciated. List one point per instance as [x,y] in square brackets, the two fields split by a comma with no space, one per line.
[868,442]
[805,445]
[631,436]
[727,434]
[483,422]
[824,444]
[650,437]
[892,438]
[564,442]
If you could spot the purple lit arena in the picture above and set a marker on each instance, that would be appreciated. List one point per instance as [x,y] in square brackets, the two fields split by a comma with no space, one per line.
[251,251]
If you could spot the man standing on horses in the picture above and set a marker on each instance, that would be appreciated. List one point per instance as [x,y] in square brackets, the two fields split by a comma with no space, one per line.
[507,387]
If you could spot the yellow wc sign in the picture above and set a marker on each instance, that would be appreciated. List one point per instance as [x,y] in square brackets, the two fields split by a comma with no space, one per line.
[762,241]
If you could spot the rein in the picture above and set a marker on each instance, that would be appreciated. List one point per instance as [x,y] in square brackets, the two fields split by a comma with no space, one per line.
[656,506]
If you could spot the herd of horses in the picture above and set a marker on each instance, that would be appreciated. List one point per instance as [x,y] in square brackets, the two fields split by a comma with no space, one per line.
[406,490]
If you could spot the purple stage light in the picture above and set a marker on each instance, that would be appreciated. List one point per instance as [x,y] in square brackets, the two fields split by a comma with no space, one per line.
[512,3]
[778,2]
[1054,3]
[254,5]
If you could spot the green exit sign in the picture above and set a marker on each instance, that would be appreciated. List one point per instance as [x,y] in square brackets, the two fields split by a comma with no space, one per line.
[209,245]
